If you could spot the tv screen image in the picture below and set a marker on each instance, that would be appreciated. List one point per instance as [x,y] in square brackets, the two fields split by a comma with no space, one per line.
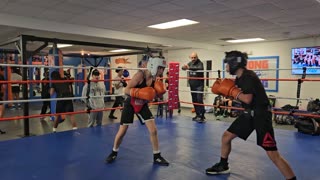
[308,57]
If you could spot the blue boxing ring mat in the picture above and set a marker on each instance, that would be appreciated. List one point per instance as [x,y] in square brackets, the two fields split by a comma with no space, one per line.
[189,147]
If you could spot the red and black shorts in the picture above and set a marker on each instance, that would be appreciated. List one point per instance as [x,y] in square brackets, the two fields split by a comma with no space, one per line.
[128,113]
[261,121]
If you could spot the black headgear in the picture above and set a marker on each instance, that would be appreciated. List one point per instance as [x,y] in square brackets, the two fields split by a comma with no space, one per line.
[96,72]
[119,68]
[235,60]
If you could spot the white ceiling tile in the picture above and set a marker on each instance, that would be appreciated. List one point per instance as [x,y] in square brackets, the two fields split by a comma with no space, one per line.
[215,8]
[265,11]
[120,8]
[309,12]
[192,3]
[294,4]
[96,4]
[228,14]
[38,3]
[287,21]
[56,15]
[22,10]
[140,3]
[165,7]
[143,14]
[315,30]
[188,13]
[71,8]
[237,4]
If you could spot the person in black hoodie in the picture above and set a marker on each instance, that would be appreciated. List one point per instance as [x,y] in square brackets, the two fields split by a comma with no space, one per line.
[196,85]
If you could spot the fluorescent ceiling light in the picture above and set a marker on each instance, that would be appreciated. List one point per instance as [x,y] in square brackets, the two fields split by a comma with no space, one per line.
[245,40]
[174,24]
[120,50]
[61,45]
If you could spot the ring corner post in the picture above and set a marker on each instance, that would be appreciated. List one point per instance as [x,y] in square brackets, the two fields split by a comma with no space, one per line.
[23,46]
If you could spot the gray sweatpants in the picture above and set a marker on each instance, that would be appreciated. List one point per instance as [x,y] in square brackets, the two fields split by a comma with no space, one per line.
[95,117]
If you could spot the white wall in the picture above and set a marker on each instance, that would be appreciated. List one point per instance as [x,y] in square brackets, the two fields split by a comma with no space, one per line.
[130,61]
[279,48]
[283,50]
[182,56]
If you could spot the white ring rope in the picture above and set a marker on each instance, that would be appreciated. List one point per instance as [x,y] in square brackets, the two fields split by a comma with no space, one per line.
[99,67]
[70,67]
[53,99]
[288,98]
[200,92]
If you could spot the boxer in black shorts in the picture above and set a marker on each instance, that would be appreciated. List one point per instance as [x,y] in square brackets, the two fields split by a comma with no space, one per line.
[142,88]
[63,90]
[248,89]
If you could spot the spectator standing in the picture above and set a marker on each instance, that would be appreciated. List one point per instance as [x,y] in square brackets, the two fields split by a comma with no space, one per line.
[96,88]
[196,85]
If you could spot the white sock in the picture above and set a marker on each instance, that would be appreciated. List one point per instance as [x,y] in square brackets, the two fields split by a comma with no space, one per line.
[74,128]
[54,129]
[115,150]
[156,152]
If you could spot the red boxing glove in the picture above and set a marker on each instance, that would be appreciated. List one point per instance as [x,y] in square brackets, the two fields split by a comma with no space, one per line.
[215,86]
[159,88]
[146,93]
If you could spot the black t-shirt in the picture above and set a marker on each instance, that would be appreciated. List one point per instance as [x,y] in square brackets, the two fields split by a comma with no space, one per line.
[62,89]
[251,84]
[45,88]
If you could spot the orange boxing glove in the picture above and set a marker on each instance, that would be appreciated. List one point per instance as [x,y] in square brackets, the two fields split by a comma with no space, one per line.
[215,86]
[146,93]
[159,88]
[235,92]
[225,86]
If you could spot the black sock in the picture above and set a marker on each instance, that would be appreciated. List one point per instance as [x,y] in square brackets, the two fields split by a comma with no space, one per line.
[294,178]
[224,160]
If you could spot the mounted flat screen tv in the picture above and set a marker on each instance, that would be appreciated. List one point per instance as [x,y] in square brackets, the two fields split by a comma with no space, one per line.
[308,57]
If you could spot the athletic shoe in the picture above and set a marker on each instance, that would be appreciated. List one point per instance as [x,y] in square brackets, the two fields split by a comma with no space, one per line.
[194,118]
[226,114]
[218,168]
[112,117]
[201,120]
[112,156]
[159,160]
[2,132]
[179,110]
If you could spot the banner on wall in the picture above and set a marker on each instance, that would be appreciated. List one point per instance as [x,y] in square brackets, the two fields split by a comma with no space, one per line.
[265,67]
[130,61]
